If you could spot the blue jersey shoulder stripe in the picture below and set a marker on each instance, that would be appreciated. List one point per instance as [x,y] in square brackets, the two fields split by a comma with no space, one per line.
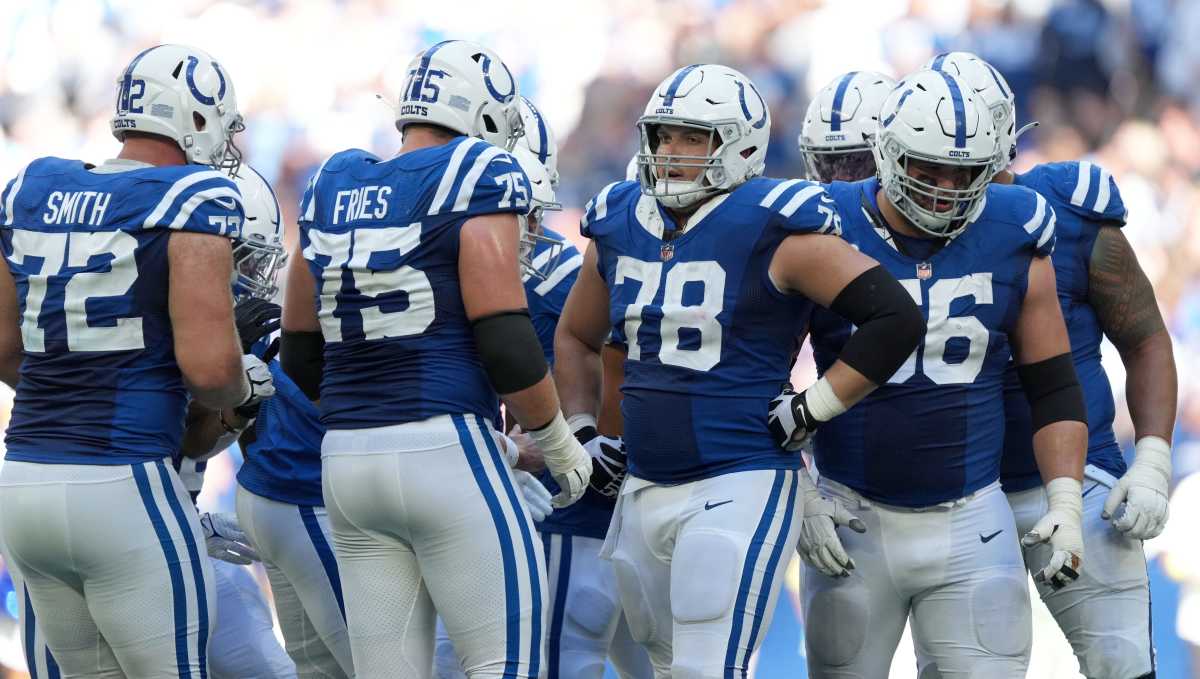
[451,175]
[839,97]
[565,268]
[597,208]
[186,188]
[11,197]
[774,194]
[467,188]
[308,204]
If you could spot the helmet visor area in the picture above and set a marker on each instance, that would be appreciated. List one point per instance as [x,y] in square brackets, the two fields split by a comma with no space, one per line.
[676,154]
[842,165]
[256,269]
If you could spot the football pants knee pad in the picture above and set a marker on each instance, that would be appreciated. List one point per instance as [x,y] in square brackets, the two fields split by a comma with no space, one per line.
[634,601]
[592,611]
[1112,656]
[1002,617]
[842,615]
[708,592]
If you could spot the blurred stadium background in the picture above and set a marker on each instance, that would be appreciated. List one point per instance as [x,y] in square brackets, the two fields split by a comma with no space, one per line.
[1115,81]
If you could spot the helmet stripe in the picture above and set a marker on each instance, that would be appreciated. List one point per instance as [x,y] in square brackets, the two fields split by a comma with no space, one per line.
[937,61]
[892,116]
[418,81]
[839,97]
[960,112]
[543,136]
[669,97]
[999,83]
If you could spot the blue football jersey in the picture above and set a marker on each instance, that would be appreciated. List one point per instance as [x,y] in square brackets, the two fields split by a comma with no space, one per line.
[88,253]
[381,239]
[710,338]
[934,432]
[547,296]
[284,461]
[1084,197]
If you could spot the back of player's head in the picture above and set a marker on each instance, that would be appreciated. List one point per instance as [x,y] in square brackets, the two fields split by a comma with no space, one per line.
[539,139]
[936,151]
[258,250]
[718,102]
[840,119]
[183,94]
[463,87]
[986,82]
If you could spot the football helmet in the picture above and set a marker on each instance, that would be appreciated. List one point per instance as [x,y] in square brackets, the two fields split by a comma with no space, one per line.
[722,103]
[988,84]
[258,252]
[539,139]
[933,117]
[542,200]
[464,87]
[839,120]
[181,93]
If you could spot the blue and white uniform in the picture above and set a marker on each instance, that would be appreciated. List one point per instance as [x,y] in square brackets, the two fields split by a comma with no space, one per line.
[918,460]
[280,508]
[423,506]
[92,510]
[705,523]
[1106,612]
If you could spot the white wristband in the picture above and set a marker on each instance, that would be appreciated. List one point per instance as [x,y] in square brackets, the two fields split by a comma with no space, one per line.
[555,441]
[1155,453]
[580,421]
[823,404]
[1066,494]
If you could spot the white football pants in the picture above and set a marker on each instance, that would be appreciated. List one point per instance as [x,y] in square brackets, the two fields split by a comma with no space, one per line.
[296,547]
[699,566]
[427,520]
[243,643]
[114,561]
[954,567]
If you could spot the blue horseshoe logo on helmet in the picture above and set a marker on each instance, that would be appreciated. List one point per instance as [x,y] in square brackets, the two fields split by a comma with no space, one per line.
[193,62]
[487,80]
[746,109]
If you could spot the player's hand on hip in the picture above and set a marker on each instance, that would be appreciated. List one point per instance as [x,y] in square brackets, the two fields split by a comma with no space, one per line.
[225,539]
[789,419]
[819,546]
[1062,528]
[1143,490]
[608,461]
[255,319]
[537,497]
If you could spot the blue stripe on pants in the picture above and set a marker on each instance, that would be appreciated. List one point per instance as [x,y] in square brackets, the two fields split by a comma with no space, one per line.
[328,562]
[756,544]
[178,593]
[764,590]
[512,596]
[535,589]
[560,601]
[30,639]
[189,541]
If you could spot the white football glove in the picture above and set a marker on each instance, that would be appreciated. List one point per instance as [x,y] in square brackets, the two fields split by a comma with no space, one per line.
[1062,527]
[569,463]
[225,539]
[537,497]
[260,386]
[793,418]
[819,544]
[1143,489]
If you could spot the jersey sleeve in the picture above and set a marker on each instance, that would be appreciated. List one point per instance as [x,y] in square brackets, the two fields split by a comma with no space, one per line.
[595,213]
[311,204]
[1038,222]
[204,201]
[799,206]
[1091,191]
[481,180]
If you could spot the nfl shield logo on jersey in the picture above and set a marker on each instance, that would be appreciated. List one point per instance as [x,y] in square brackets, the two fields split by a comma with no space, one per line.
[924,271]
[666,252]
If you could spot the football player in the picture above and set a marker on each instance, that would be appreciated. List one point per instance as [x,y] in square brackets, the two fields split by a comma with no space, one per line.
[919,459]
[707,272]
[119,276]
[411,317]
[839,120]
[1103,292]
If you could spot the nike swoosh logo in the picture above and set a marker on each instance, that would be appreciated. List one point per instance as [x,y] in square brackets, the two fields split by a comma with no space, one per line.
[227,203]
[988,539]
[1085,493]
[714,505]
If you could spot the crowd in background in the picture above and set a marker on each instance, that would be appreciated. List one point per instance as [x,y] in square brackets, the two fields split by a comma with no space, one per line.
[1114,81]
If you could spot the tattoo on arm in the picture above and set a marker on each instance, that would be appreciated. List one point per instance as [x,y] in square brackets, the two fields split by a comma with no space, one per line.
[1120,292]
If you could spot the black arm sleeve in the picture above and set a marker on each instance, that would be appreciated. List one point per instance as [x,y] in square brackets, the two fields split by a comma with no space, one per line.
[1053,390]
[889,324]
[509,350]
[302,357]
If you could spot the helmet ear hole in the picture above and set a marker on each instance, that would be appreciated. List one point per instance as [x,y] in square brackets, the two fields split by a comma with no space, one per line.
[198,121]
[489,124]
[178,68]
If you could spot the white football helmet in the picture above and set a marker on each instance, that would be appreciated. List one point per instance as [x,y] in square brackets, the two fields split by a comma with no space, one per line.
[724,104]
[465,87]
[181,93]
[987,82]
[258,252]
[932,116]
[840,119]
[542,200]
[539,139]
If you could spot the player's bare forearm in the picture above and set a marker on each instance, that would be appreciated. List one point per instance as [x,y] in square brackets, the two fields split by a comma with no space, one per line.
[1125,304]
[533,407]
[1040,332]
[299,302]
[609,421]
[582,327]
[848,384]
[1060,449]
[11,345]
